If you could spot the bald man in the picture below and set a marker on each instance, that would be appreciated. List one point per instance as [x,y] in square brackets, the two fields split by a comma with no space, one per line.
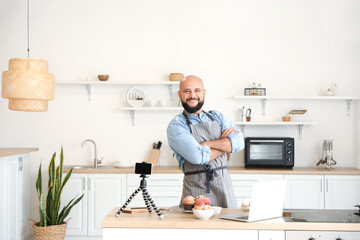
[200,141]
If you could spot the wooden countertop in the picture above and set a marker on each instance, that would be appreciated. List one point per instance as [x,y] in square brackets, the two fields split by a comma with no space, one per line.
[15,151]
[234,170]
[177,219]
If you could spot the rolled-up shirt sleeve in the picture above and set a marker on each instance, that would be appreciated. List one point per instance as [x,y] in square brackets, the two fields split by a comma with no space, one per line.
[185,146]
[237,138]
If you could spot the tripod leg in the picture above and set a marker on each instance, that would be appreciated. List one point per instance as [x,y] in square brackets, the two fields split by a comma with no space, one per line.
[145,197]
[149,199]
[127,202]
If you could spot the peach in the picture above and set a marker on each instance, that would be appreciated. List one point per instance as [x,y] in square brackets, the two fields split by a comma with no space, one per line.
[200,206]
[207,207]
[204,199]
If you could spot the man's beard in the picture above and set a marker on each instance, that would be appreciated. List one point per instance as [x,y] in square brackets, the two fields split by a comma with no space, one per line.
[192,109]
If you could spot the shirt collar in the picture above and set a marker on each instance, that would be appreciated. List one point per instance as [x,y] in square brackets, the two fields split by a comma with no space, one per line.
[201,115]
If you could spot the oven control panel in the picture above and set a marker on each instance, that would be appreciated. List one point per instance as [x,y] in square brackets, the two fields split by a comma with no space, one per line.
[322,235]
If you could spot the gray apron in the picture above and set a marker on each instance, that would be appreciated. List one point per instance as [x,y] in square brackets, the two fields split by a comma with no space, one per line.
[213,179]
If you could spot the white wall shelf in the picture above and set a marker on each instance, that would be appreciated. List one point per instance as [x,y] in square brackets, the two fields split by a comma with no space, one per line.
[105,83]
[264,98]
[134,109]
[275,123]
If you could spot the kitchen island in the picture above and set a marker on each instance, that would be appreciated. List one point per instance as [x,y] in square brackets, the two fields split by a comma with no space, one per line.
[186,224]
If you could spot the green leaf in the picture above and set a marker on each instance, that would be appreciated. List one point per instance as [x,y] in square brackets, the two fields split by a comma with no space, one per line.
[67,211]
[63,210]
[49,209]
[38,183]
[42,211]
[61,164]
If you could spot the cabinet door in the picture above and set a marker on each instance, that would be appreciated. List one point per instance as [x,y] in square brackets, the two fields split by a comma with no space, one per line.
[9,197]
[3,196]
[342,192]
[24,195]
[14,200]
[242,184]
[271,235]
[164,189]
[12,210]
[105,191]
[76,186]
[304,192]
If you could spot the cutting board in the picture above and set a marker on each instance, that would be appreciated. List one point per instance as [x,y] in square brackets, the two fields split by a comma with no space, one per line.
[135,210]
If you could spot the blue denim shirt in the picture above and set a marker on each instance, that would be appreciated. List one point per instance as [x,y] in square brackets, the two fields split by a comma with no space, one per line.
[185,146]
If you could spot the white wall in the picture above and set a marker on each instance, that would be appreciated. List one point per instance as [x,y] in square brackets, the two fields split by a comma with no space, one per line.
[292,47]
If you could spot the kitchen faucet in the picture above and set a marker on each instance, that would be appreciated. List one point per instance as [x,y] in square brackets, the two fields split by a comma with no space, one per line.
[96,160]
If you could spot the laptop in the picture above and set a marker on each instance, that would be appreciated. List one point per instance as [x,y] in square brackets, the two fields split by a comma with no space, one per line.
[267,201]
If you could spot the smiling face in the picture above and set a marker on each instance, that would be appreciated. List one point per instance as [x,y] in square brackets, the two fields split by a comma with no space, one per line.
[192,94]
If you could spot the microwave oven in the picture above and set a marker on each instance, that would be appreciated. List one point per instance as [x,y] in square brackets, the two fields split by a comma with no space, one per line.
[268,152]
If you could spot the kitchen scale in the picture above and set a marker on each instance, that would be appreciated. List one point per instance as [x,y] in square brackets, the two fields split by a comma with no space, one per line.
[321,215]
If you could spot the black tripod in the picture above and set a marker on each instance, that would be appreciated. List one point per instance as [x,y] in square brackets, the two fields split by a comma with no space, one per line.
[148,200]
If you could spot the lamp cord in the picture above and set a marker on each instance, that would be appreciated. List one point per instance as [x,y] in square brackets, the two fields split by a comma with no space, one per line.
[28,31]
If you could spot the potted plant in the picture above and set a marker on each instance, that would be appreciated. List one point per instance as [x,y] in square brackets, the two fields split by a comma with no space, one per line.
[52,223]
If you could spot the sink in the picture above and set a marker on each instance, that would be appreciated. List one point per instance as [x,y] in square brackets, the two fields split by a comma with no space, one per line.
[82,167]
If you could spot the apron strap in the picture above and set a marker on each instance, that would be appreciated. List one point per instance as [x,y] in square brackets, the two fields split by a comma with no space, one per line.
[188,120]
[210,174]
[212,119]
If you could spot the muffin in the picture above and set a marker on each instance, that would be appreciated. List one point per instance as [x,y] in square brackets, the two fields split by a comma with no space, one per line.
[188,202]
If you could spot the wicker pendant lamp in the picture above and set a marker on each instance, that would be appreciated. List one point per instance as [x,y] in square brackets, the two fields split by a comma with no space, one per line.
[27,84]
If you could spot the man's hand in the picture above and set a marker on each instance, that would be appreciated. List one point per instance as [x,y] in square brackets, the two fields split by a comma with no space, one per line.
[221,145]
[227,132]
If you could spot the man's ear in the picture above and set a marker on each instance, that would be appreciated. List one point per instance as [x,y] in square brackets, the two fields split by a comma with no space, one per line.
[204,91]
[179,94]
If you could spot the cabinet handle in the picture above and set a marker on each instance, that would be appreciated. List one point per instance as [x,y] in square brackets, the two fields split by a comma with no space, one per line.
[20,164]
[321,183]
[89,186]
[84,185]
[327,185]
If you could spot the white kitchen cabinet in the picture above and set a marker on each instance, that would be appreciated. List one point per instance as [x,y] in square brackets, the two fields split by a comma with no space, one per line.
[164,189]
[14,198]
[304,192]
[271,235]
[167,233]
[242,184]
[322,191]
[342,192]
[76,186]
[102,193]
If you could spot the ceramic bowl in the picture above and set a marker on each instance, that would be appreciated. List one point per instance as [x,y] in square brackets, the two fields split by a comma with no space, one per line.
[203,214]
[163,103]
[152,103]
[103,77]
[286,118]
[176,76]
[123,163]
[217,210]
